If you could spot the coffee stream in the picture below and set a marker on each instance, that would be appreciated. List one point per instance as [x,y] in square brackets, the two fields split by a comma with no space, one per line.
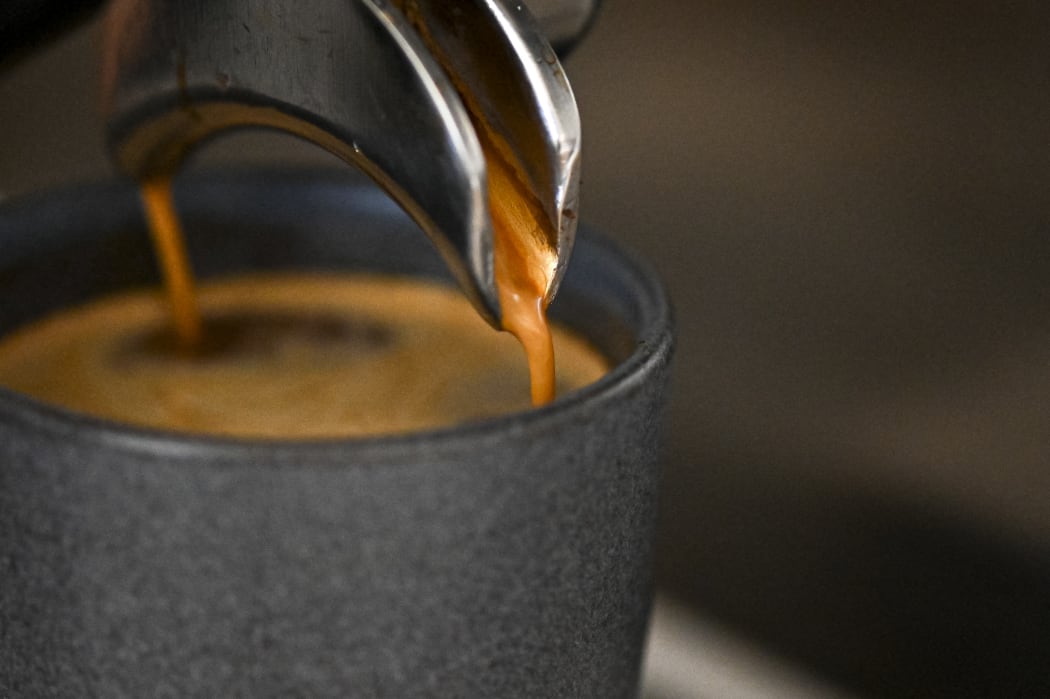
[523,266]
[524,240]
[170,245]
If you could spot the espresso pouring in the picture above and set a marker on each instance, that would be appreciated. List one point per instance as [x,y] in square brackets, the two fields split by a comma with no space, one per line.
[302,356]
[525,241]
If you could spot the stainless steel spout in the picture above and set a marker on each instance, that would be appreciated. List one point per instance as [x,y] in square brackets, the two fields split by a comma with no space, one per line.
[396,88]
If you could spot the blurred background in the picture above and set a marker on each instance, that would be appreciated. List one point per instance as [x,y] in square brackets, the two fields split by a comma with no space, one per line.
[849,202]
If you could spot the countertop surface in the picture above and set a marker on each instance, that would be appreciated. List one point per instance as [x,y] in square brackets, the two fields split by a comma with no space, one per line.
[691,657]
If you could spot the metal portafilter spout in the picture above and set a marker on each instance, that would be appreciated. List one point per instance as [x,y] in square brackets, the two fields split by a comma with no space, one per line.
[414,92]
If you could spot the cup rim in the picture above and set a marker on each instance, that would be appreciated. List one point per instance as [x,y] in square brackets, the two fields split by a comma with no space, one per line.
[655,345]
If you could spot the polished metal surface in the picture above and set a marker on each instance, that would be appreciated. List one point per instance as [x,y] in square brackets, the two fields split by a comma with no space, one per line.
[512,81]
[358,79]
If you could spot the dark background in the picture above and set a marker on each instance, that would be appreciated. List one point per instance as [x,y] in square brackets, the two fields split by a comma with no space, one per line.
[849,203]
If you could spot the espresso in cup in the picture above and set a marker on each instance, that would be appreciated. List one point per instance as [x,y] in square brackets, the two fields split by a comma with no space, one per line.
[286,356]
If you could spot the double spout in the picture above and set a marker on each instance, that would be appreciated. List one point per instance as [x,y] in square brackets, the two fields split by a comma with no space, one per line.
[423,95]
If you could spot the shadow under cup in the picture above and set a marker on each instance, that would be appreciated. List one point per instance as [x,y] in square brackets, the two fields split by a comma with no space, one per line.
[510,557]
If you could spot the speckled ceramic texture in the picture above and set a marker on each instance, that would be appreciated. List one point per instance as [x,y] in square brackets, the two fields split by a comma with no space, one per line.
[510,558]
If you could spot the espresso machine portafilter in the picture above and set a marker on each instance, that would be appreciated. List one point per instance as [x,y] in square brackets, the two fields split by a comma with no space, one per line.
[400,88]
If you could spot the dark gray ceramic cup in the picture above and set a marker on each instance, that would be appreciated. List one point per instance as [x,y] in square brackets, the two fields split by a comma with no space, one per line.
[508,558]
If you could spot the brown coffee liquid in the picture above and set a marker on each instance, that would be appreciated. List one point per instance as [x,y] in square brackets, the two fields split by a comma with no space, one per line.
[524,265]
[169,243]
[285,357]
[525,239]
